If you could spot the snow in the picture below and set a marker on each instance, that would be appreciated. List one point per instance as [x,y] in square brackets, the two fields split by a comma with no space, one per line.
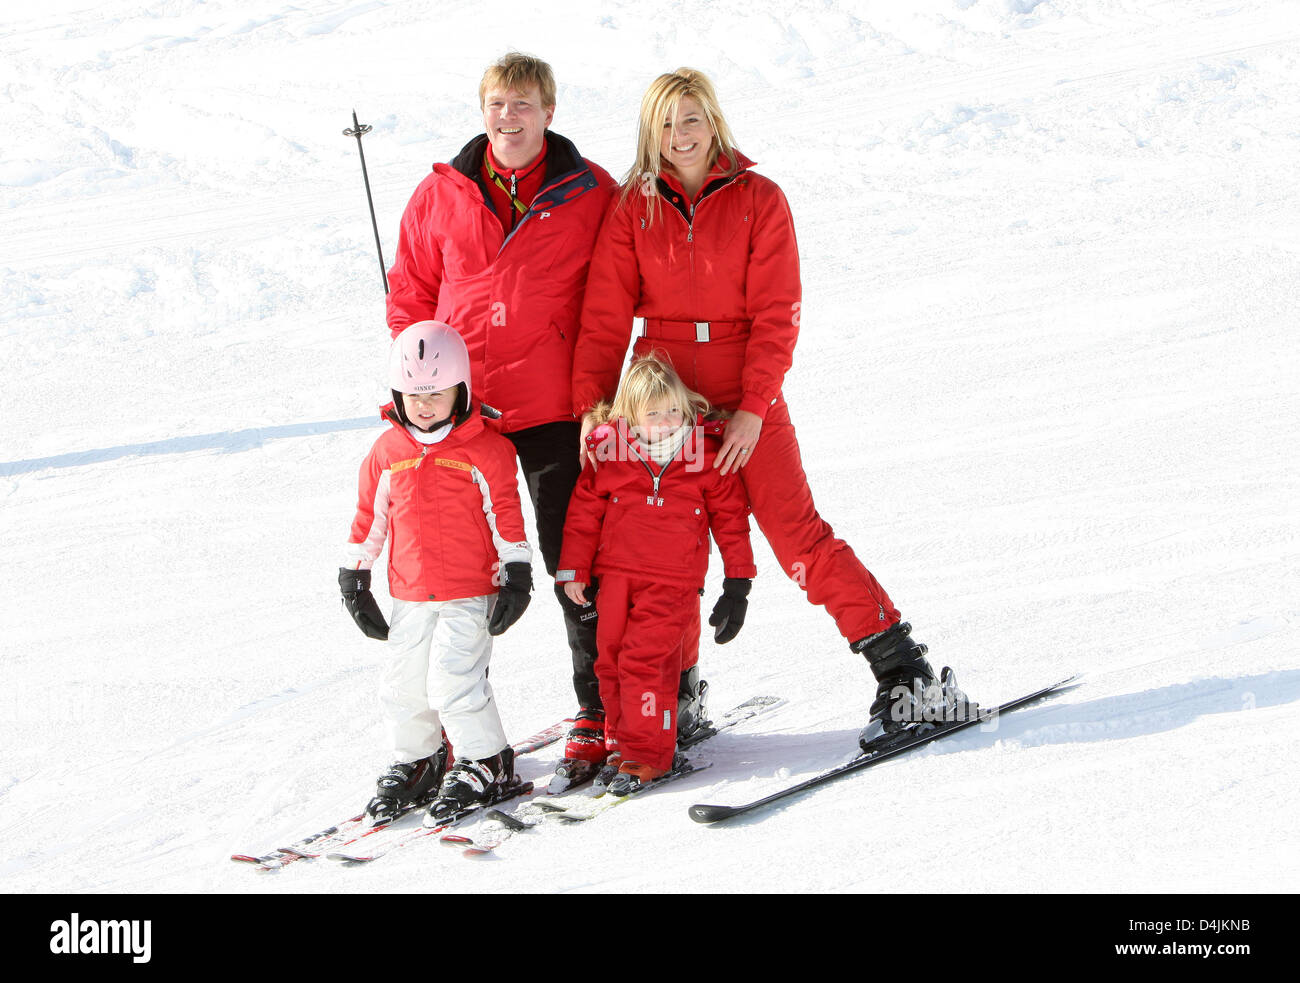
[1044,387]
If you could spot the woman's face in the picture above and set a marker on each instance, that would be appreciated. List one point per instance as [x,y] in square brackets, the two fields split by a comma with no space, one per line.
[687,138]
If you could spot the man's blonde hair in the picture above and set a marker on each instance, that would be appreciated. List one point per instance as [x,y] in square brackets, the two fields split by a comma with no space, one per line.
[649,379]
[521,72]
[659,106]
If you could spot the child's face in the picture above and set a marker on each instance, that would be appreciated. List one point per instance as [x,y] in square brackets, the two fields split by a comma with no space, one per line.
[427,410]
[660,418]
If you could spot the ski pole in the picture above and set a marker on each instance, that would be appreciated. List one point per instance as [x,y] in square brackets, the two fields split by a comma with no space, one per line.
[357,130]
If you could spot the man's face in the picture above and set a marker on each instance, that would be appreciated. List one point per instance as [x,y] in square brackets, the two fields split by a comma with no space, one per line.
[516,123]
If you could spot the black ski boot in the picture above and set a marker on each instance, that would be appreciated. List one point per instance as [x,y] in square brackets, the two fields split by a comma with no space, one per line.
[908,689]
[407,784]
[471,784]
[693,723]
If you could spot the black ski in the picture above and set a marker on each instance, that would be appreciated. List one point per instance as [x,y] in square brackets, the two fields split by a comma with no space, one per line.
[890,746]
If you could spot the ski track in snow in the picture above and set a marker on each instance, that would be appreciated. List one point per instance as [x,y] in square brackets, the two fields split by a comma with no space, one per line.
[1045,387]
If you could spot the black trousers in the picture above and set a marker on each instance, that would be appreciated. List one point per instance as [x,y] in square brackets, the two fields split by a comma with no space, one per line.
[548,457]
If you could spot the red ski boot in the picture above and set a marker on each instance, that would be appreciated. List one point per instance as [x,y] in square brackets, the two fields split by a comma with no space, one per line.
[584,753]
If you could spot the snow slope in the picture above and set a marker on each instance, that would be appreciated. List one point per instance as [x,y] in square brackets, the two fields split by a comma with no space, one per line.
[1045,387]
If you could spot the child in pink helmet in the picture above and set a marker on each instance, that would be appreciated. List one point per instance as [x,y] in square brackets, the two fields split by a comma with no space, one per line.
[439,485]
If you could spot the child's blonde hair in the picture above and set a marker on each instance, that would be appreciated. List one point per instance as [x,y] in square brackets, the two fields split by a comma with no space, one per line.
[649,379]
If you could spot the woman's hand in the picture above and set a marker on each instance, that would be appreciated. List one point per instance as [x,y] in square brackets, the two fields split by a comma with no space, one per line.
[576,591]
[738,441]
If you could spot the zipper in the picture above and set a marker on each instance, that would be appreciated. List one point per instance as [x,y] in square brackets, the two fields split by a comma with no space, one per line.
[656,478]
[559,181]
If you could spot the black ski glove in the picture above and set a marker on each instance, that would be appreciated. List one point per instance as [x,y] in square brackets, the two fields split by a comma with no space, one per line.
[729,613]
[361,604]
[513,598]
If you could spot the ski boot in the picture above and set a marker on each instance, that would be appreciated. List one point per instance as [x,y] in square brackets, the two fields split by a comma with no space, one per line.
[584,752]
[609,770]
[407,784]
[909,694]
[471,784]
[693,724]
[632,777]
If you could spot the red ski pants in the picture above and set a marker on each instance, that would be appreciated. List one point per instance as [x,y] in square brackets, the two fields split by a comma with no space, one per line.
[779,496]
[643,632]
[804,543]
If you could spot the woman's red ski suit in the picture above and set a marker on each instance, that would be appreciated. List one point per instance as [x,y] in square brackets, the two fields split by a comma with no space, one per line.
[717,281]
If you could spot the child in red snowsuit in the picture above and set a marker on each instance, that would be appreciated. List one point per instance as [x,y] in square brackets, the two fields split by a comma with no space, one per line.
[639,522]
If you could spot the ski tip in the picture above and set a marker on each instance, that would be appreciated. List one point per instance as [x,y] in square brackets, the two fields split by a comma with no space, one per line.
[543,806]
[506,820]
[571,817]
[347,859]
[245,858]
[711,814]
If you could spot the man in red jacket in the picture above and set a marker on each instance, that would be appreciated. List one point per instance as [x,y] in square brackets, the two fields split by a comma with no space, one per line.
[496,243]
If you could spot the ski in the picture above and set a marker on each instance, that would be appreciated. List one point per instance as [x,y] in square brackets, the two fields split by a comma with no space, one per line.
[354,828]
[405,837]
[499,826]
[295,851]
[738,714]
[561,784]
[607,800]
[890,746]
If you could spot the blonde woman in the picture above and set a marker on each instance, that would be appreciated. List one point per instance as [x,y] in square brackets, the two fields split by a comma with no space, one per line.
[640,522]
[704,249]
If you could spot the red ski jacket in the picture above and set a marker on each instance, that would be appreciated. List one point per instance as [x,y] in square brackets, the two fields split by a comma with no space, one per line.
[717,281]
[631,515]
[450,511]
[515,300]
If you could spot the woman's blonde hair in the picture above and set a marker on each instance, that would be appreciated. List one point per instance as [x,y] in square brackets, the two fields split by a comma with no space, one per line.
[659,105]
[649,379]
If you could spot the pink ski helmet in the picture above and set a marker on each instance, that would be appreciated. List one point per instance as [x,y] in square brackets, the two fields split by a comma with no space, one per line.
[428,357]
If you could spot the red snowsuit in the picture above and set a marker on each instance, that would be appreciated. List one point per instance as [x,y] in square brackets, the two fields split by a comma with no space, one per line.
[717,281]
[514,299]
[643,531]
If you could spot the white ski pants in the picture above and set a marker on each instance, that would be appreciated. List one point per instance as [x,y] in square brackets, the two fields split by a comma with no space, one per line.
[436,677]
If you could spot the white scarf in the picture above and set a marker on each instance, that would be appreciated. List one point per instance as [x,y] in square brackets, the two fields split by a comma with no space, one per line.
[664,449]
[429,438]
